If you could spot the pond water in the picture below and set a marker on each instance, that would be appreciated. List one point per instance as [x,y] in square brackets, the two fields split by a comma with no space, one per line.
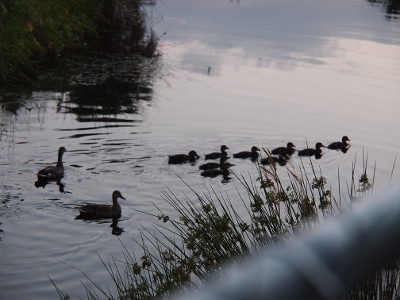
[239,73]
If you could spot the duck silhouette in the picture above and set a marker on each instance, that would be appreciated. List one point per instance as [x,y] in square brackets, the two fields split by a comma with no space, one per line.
[183,158]
[310,151]
[340,145]
[216,155]
[52,173]
[289,149]
[92,211]
[253,154]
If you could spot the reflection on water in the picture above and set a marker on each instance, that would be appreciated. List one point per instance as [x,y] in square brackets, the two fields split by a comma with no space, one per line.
[42,182]
[95,89]
[102,89]
[115,229]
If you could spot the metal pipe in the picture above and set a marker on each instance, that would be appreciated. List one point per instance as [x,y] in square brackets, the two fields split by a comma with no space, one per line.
[322,265]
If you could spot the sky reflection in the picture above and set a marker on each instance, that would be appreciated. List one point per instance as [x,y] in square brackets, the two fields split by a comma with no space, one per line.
[266,31]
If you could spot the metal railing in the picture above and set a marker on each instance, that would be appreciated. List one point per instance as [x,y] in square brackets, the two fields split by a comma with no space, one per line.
[321,265]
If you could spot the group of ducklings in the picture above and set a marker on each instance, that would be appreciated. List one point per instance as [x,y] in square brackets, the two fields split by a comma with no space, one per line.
[278,155]
[89,211]
[213,169]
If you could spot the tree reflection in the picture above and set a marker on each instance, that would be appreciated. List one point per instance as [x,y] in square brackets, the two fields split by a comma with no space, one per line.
[94,88]
[107,85]
[111,97]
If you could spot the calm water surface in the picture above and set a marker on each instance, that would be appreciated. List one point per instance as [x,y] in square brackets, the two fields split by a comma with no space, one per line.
[236,73]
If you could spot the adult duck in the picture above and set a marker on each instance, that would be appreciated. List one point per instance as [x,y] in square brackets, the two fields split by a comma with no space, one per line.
[214,165]
[310,151]
[340,145]
[253,154]
[289,149]
[223,170]
[216,155]
[92,211]
[56,172]
[183,158]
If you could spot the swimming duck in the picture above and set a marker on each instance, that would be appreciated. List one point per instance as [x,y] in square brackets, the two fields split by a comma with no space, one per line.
[223,170]
[282,159]
[213,165]
[216,155]
[182,158]
[53,172]
[339,145]
[310,151]
[289,149]
[253,154]
[93,211]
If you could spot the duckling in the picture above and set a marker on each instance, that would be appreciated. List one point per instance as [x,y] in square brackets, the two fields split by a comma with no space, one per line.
[52,173]
[224,171]
[310,151]
[93,211]
[216,155]
[339,145]
[253,154]
[182,158]
[289,149]
[213,165]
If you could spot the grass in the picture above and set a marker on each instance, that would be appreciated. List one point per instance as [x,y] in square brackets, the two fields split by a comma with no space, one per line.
[35,33]
[181,254]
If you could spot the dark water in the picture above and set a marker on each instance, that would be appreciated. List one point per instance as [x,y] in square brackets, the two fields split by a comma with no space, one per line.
[250,73]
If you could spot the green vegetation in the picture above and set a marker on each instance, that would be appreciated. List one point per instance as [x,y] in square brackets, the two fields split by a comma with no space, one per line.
[34,33]
[393,7]
[182,253]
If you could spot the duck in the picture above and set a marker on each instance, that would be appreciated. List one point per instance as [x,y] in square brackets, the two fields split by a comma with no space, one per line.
[253,154]
[216,155]
[92,211]
[56,172]
[183,158]
[289,149]
[310,151]
[223,170]
[340,145]
[282,159]
[214,165]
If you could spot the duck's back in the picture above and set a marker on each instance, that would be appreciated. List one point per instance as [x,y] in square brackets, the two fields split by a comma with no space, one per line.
[177,159]
[98,211]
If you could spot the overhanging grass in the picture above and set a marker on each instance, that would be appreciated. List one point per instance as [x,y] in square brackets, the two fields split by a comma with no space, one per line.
[34,33]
